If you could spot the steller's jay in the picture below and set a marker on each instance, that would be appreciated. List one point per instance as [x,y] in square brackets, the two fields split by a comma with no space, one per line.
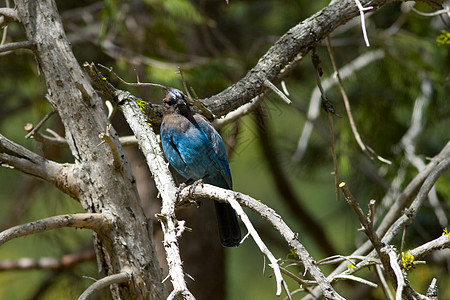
[196,151]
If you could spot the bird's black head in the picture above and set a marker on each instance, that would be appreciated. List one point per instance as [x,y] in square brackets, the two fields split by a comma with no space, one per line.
[174,102]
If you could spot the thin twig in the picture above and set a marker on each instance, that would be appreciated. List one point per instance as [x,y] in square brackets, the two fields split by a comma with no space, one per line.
[386,290]
[361,144]
[398,274]
[261,245]
[45,118]
[271,86]
[105,282]
[138,84]
[363,21]
[238,113]
[445,11]
[330,111]
[315,100]
[333,153]
[357,279]
[106,136]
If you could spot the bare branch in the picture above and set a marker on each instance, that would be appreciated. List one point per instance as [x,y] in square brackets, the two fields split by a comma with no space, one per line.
[369,152]
[432,291]
[50,263]
[22,159]
[123,277]
[363,21]
[8,15]
[149,144]
[262,247]
[271,86]
[41,122]
[18,45]
[398,273]
[436,244]
[95,221]
[238,113]
[223,195]
[410,214]
[411,190]
[106,136]
[314,104]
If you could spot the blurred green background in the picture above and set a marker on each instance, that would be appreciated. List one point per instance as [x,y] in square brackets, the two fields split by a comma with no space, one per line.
[215,44]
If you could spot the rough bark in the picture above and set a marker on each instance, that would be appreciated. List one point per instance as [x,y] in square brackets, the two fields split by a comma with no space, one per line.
[104,185]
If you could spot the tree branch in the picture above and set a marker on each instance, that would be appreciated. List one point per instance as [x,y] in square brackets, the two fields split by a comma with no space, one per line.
[172,228]
[18,45]
[105,282]
[297,41]
[48,263]
[8,15]
[26,161]
[95,221]
[440,243]
[212,192]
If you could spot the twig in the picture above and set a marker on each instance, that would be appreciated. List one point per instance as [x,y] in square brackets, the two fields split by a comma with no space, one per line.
[95,221]
[117,162]
[357,279]
[8,15]
[358,139]
[411,212]
[432,291]
[271,86]
[238,113]
[386,290]
[365,222]
[330,111]
[17,45]
[123,277]
[411,190]
[314,104]
[333,153]
[436,244]
[398,273]
[363,21]
[14,155]
[445,11]
[262,247]
[41,122]
[184,82]
[138,84]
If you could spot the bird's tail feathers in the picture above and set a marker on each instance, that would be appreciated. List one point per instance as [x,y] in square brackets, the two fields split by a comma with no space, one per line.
[229,230]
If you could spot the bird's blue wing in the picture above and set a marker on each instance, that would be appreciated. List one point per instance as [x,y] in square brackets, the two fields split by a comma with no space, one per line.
[218,155]
[195,149]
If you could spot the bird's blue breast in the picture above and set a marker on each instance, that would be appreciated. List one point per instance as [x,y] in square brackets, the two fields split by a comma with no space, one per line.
[195,149]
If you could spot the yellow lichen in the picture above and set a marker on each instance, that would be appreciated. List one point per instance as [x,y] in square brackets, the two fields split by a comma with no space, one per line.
[408,260]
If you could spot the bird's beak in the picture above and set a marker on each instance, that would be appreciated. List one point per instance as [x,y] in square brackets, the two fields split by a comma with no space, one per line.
[181,102]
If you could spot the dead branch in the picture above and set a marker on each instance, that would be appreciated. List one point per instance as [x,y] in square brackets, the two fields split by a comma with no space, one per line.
[48,263]
[218,194]
[105,282]
[94,221]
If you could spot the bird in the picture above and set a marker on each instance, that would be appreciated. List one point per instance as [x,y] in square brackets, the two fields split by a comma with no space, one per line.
[196,151]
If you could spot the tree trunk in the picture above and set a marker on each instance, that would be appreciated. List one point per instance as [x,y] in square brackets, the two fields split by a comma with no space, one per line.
[101,178]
